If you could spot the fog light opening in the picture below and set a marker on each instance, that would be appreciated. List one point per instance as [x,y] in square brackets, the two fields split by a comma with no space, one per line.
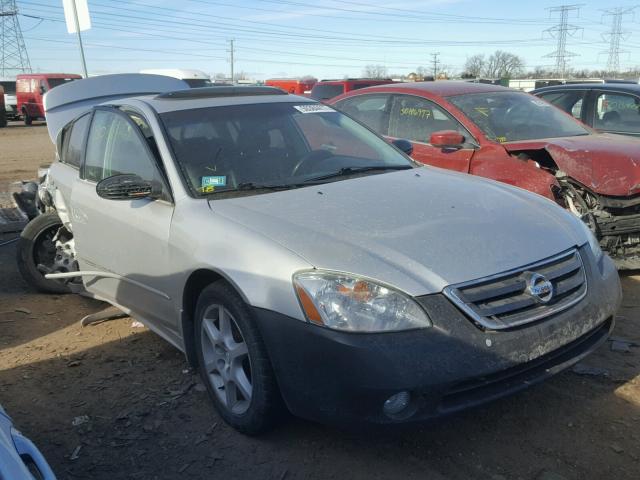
[396,404]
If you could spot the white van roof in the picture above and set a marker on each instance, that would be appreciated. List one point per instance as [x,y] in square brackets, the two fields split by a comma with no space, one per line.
[182,74]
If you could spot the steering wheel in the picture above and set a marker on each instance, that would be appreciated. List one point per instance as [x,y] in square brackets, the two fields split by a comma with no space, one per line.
[314,156]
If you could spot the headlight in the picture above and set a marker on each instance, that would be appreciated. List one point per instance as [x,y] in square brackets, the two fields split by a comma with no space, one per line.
[345,302]
[593,241]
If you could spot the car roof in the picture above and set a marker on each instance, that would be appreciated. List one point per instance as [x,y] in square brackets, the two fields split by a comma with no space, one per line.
[218,97]
[615,86]
[47,75]
[443,88]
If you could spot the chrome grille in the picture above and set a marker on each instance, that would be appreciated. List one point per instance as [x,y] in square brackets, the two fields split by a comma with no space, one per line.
[507,300]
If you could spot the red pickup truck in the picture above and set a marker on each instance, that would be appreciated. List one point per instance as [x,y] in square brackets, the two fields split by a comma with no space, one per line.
[31,87]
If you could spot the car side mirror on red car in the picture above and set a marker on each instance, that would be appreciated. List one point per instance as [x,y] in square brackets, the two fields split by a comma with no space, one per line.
[446,139]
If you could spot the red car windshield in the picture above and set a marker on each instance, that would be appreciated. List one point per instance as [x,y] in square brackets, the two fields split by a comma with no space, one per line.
[514,116]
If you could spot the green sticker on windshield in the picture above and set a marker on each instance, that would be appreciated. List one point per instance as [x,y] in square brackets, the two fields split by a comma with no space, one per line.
[214,181]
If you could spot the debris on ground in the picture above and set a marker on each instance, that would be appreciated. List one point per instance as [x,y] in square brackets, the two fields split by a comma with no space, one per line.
[582,369]
[80,420]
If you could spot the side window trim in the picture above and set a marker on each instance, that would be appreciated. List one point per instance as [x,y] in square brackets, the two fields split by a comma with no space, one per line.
[115,110]
[470,141]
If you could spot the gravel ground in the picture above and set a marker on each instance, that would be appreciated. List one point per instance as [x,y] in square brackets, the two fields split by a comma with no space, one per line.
[113,401]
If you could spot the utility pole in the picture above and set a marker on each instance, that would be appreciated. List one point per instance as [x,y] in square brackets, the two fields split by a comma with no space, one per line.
[435,62]
[615,35]
[13,52]
[77,24]
[231,58]
[560,32]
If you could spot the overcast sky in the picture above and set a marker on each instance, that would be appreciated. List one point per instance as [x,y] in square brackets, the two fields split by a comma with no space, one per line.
[324,38]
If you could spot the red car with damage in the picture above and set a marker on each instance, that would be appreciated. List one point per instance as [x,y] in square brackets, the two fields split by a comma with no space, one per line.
[516,138]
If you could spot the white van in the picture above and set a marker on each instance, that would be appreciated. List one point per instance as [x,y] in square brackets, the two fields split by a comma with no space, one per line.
[195,78]
[10,102]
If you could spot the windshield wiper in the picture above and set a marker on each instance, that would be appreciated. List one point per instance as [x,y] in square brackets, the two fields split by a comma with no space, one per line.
[261,186]
[352,170]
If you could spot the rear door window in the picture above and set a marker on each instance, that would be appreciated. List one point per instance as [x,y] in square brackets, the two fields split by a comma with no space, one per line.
[416,118]
[617,112]
[73,141]
[372,110]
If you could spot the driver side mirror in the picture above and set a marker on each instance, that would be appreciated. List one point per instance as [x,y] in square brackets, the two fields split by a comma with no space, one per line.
[127,187]
[447,139]
[42,90]
[404,145]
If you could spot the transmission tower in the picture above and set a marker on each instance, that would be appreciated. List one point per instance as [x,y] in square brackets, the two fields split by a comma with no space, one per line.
[560,32]
[13,53]
[615,35]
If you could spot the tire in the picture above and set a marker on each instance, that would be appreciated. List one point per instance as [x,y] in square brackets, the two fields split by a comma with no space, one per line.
[3,117]
[28,119]
[34,248]
[215,351]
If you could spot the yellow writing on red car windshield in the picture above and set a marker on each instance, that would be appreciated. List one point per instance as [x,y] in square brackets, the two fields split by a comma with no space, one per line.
[416,112]
[482,111]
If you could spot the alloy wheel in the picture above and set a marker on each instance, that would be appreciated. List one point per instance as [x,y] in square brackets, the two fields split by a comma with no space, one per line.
[226,359]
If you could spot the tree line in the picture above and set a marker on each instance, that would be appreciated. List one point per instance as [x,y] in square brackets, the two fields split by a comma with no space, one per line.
[499,64]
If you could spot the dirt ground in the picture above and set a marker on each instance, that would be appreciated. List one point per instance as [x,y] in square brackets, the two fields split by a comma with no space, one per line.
[113,401]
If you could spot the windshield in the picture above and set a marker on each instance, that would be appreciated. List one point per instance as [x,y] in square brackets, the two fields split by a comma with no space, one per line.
[55,82]
[9,87]
[222,149]
[514,116]
[326,91]
[198,82]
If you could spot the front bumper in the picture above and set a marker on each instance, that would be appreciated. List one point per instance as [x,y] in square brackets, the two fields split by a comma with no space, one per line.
[338,377]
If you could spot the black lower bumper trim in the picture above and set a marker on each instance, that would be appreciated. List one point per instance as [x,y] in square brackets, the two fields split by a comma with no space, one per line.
[485,389]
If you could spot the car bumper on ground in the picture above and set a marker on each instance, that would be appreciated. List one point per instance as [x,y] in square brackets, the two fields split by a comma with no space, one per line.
[338,377]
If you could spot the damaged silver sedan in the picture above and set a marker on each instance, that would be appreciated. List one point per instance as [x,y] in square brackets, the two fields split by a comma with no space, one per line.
[301,262]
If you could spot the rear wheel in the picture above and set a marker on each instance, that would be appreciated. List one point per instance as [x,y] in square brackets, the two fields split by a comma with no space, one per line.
[3,117]
[28,119]
[233,361]
[38,255]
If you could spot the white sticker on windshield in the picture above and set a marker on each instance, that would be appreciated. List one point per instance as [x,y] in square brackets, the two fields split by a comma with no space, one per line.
[313,108]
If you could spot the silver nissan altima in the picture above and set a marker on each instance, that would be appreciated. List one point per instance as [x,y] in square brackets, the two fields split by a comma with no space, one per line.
[301,262]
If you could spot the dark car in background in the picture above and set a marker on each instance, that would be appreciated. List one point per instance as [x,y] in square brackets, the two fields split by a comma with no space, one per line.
[328,89]
[516,138]
[606,107]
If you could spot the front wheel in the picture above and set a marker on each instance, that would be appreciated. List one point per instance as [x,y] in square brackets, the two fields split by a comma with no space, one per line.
[38,254]
[233,362]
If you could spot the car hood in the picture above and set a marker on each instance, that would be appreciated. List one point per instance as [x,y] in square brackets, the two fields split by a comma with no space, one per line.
[419,229]
[606,164]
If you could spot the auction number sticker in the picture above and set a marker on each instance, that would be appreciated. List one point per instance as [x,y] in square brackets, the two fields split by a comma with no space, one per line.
[313,108]
[213,182]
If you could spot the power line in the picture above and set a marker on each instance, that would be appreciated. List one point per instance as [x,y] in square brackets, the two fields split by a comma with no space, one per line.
[560,32]
[13,57]
[615,35]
